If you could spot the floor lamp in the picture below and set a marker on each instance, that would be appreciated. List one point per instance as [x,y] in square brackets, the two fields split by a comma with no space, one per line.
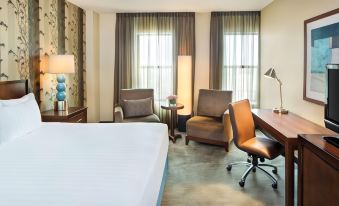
[184,90]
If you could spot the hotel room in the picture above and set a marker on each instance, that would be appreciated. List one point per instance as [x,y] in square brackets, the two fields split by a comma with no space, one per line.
[169,102]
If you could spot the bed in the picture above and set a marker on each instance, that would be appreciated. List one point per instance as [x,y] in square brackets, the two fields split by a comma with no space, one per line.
[83,164]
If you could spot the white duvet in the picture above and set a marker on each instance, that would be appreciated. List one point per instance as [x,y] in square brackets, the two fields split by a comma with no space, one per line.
[84,164]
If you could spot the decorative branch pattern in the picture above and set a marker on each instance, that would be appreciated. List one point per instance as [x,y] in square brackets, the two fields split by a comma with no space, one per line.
[2,25]
[21,53]
[71,21]
[49,35]
[52,18]
[17,26]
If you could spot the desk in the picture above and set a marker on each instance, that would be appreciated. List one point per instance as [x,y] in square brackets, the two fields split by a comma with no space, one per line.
[285,129]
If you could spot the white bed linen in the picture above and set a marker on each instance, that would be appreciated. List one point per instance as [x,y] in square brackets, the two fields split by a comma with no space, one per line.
[64,164]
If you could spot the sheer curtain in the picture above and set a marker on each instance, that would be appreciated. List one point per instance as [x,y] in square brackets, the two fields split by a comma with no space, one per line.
[235,50]
[147,47]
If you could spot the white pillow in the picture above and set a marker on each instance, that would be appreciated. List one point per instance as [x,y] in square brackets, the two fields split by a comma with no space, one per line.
[12,102]
[19,119]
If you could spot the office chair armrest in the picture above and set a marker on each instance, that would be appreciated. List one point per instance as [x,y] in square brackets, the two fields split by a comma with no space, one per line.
[118,114]
[227,126]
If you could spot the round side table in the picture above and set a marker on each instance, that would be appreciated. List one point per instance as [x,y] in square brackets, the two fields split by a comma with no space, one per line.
[173,109]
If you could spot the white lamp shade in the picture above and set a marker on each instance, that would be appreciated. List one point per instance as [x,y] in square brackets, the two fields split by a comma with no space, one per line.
[61,64]
[185,84]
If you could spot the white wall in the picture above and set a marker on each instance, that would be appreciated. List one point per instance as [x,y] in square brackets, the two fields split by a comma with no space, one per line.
[282,43]
[107,55]
[202,36]
[92,66]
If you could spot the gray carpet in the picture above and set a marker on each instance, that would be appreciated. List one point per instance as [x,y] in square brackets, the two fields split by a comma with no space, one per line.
[197,176]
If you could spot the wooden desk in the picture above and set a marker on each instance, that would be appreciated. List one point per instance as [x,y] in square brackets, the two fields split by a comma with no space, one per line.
[285,128]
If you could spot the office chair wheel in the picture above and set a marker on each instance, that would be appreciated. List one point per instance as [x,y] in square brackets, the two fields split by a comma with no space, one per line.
[242,183]
[275,185]
[254,170]
[249,159]
[275,171]
[229,167]
[262,159]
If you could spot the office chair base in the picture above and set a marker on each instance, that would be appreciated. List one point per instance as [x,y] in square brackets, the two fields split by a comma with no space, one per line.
[252,167]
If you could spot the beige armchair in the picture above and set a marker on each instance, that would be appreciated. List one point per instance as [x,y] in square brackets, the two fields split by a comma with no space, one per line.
[212,123]
[135,105]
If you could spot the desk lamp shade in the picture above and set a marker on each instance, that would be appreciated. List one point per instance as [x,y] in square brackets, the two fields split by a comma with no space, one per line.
[185,84]
[271,73]
[61,64]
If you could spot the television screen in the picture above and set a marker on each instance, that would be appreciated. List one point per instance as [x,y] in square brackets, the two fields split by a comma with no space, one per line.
[333,96]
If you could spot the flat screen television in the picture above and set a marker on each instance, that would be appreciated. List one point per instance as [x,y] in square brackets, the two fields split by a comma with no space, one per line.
[332,104]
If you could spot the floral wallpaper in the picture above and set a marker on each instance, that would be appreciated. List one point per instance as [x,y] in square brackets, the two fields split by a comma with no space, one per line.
[48,25]
[72,47]
[14,53]
[60,31]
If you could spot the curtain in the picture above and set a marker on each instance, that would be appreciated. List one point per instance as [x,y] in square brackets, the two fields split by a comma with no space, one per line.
[147,48]
[234,54]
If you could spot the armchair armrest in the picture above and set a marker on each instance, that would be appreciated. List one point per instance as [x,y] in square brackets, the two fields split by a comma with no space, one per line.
[226,120]
[118,114]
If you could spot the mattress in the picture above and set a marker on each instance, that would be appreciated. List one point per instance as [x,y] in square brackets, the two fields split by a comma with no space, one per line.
[84,164]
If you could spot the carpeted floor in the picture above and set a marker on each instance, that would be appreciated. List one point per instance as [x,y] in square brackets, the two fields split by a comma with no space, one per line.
[197,176]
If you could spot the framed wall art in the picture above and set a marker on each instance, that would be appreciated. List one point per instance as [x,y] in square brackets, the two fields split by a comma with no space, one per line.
[321,47]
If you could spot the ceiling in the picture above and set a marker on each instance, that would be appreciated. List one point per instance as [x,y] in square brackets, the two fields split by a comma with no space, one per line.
[171,5]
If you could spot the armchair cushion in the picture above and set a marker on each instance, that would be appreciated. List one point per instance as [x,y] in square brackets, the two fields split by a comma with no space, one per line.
[137,108]
[206,127]
[213,103]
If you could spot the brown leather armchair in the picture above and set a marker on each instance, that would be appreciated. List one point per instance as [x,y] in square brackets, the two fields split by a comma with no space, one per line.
[212,123]
[246,140]
[134,94]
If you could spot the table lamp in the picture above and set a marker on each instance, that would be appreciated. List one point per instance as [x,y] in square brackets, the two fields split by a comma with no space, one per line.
[272,74]
[61,64]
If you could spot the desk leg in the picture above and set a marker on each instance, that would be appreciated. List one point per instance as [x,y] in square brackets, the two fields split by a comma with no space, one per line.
[289,173]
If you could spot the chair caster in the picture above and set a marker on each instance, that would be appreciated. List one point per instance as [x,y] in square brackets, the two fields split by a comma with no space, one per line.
[275,171]
[254,170]
[249,160]
[229,167]
[242,183]
[275,185]
[262,159]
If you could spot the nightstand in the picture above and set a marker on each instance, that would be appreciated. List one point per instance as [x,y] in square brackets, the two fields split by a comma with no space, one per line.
[73,115]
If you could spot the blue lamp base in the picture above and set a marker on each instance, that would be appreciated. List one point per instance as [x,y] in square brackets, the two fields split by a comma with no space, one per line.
[61,103]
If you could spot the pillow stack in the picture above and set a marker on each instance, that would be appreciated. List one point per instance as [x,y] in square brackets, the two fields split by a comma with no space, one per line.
[18,117]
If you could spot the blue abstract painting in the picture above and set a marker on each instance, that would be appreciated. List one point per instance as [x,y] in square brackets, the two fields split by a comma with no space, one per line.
[323,40]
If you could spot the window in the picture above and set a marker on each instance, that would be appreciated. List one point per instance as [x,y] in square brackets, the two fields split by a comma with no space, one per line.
[241,66]
[154,64]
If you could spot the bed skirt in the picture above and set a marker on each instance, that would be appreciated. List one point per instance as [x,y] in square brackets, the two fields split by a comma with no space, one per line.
[163,183]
